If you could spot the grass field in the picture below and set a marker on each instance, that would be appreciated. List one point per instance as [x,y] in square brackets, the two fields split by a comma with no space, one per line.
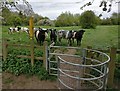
[101,37]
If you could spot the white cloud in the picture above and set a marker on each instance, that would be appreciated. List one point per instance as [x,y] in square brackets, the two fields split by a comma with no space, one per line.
[53,8]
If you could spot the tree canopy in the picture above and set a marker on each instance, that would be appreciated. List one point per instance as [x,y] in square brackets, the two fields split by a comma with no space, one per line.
[64,19]
[88,19]
[17,18]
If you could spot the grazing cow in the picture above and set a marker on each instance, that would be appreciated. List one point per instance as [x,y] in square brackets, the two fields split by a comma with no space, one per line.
[78,36]
[17,29]
[11,30]
[14,29]
[39,28]
[25,29]
[40,36]
[61,34]
[73,37]
[46,31]
[53,35]
[69,36]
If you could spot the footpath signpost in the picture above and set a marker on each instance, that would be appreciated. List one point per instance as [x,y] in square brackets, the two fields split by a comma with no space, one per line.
[31,39]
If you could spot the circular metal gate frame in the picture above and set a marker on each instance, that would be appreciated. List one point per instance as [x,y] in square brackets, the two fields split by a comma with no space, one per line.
[88,73]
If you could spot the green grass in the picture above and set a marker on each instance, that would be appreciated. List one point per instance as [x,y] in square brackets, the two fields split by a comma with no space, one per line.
[101,37]
[21,38]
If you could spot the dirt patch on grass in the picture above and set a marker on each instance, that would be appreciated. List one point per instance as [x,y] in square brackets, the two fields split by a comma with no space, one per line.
[10,81]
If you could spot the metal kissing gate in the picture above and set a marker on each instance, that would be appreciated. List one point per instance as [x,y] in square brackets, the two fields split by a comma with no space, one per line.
[78,69]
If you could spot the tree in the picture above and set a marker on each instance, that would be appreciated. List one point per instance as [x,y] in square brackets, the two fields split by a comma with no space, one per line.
[37,18]
[45,22]
[106,5]
[98,20]
[6,14]
[67,19]
[63,19]
[13,18]
[106,21]
[18,5]
[77,19]
[115,18]
[88,20]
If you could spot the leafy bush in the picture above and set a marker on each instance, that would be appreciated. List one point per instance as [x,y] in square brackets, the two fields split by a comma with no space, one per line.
[117,72]
[88,20]
[67,19]
[23,66]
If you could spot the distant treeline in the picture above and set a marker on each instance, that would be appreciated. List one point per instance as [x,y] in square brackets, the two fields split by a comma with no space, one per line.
[68,19]
[64,19]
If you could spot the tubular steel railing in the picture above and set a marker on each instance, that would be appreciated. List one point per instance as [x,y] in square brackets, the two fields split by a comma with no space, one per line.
[81,71]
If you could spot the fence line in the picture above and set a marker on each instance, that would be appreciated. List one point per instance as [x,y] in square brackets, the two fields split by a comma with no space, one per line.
[31,47]
[112,52]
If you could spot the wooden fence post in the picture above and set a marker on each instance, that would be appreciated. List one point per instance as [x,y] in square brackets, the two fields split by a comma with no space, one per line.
[111,66]
[45,55]
[32,51]
[4,49]
[31,40]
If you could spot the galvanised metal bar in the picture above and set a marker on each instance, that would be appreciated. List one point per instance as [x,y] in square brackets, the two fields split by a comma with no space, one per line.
[99,67]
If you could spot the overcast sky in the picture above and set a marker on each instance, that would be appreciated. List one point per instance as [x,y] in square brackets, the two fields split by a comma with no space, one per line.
[53,8]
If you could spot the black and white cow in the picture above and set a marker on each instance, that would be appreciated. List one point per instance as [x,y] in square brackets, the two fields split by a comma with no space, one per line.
[25,29]
[11,30]
[18,29]
[69,37]
[62,35]
[73,37]
[40,35]
[53,35]
[14,29]
[78,36]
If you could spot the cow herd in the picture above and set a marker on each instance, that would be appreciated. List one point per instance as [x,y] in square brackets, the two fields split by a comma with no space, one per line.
[17,29]
[55,35]
[71,36]
[59,35]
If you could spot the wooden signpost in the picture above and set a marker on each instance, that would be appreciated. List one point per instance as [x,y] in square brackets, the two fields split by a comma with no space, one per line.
[31,40]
